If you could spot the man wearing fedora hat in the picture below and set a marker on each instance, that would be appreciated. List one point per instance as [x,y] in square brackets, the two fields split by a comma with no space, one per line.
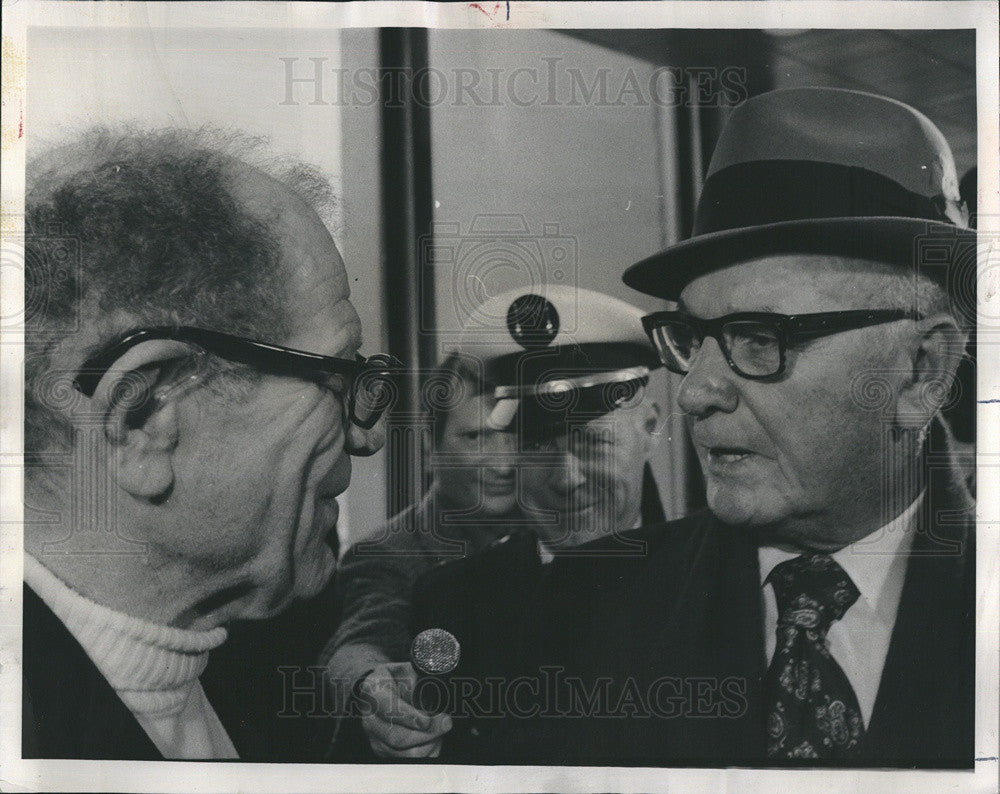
[821,609]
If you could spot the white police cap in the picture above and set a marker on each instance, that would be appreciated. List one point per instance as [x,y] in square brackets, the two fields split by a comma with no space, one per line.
[558,346]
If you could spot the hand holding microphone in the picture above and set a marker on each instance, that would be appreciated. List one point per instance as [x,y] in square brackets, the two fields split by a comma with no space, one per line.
[395,725]
[435,654]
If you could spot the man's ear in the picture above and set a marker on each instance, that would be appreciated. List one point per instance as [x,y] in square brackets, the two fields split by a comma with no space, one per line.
[934,356]
[140,417]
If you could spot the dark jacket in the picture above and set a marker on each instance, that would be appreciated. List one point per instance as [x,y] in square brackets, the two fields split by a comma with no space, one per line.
[376,576]
[375,579]
[69,710]
[649,651]
[375,583]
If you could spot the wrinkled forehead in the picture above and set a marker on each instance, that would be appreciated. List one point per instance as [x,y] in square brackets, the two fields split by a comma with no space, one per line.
[788,284]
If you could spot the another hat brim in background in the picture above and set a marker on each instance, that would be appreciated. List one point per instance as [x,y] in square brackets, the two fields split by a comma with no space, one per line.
[541,416]
[886,239]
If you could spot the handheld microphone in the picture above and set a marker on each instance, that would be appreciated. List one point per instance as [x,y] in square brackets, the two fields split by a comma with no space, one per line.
[435,654]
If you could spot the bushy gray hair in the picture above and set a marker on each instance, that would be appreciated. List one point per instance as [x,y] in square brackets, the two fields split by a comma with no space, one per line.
[128,227]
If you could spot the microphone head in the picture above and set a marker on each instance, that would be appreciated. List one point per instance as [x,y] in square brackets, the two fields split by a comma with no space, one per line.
[435,652]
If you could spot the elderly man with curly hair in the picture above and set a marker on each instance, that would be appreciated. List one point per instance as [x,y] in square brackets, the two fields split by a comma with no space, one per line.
[193,400]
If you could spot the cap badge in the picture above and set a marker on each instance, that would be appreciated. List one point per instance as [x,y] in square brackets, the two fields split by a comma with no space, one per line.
[533,321]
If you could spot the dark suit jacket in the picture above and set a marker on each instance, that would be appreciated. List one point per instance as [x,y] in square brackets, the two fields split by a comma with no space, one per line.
[69,710]
[376,580]
[376,575]
[657,658]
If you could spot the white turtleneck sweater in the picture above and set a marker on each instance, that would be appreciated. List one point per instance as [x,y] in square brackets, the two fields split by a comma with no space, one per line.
[153,668]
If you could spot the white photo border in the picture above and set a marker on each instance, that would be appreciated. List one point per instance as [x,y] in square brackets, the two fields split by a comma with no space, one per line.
[17,774]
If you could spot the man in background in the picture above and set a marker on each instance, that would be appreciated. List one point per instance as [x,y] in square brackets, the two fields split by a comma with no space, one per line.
[576,386]
[545,425]
[473,500]
[183,454]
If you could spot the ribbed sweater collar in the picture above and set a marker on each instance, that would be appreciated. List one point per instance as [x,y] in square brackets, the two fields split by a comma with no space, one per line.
[151,666]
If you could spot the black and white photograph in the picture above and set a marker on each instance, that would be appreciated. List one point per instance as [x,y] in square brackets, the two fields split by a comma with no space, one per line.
[500,396]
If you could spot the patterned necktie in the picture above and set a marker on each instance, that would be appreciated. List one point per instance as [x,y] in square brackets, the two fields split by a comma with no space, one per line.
[811,708]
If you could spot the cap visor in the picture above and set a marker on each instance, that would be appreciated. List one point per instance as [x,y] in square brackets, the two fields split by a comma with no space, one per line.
[502,414]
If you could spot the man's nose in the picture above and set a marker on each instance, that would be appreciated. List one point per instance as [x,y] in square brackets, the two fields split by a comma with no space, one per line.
[708,385]
[568,475]
[500,449]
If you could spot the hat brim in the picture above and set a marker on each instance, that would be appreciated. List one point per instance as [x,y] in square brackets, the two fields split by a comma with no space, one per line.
[884,239]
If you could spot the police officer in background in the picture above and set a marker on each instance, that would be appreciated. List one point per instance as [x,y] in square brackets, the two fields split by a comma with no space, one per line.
[573,379]
[550,418]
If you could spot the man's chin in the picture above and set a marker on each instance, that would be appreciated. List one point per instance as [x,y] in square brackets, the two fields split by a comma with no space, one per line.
[737,506]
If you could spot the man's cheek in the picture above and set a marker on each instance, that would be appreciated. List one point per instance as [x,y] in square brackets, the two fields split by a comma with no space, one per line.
[314,566]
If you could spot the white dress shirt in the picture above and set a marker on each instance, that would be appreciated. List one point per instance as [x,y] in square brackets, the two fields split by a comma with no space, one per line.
[859,641]
[154,669]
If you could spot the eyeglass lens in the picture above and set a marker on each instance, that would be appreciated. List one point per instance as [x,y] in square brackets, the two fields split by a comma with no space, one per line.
[754,348]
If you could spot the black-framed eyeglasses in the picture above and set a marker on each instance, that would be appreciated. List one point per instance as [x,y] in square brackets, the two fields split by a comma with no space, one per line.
[371,384]
[753,343]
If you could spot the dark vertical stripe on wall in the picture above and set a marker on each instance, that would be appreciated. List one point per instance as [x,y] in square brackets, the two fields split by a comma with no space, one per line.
[697,131]
[686,187]
[406,228]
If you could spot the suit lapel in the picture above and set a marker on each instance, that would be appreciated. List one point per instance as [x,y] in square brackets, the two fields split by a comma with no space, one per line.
[923,712]
[717,611]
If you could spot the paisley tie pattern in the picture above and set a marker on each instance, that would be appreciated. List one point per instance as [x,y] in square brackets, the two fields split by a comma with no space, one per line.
[811,708]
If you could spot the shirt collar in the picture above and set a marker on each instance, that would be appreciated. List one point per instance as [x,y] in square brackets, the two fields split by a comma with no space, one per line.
[870,561]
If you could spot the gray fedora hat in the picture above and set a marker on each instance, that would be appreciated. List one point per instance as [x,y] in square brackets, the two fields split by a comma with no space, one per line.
[815,170]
